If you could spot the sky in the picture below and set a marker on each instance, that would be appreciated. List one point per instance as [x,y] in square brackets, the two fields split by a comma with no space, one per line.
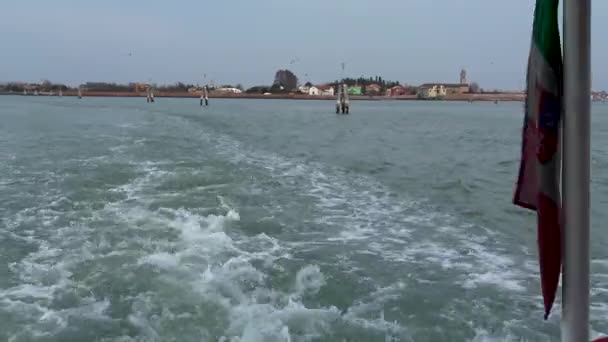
[246,41]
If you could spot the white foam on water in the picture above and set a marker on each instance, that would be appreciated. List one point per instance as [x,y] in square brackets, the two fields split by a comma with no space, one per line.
[499,270]
[309,280]
[163,260]
[267,322]
[257,312]
[231,271]
[47,273]
[24,291]
[221,268]
[207,259]
[359,210]
[375,301]
[485,336]
[43,274]
[364,211]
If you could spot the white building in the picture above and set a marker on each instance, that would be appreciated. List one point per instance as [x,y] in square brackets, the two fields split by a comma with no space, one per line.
[326,90]
[303,89]
[313,91]
[322,90]
[230,90]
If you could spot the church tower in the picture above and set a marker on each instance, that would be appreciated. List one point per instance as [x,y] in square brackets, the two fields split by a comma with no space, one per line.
[463,76]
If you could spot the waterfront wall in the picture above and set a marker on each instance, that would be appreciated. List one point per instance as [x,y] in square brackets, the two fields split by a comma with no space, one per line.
[450,97]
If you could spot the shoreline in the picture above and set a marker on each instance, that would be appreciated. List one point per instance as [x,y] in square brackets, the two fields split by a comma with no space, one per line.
[453,97]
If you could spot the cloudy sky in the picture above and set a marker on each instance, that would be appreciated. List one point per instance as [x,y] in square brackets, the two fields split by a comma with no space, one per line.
[246,41]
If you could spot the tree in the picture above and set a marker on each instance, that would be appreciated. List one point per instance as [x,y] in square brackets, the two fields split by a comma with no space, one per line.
[257,90]
[287,79]
[277,88]
[308,84]
[239,86]
[14,87]
[181,87]
[474,88]
[46,85]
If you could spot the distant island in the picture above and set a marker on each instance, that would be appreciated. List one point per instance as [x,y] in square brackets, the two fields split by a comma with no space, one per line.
[285,86]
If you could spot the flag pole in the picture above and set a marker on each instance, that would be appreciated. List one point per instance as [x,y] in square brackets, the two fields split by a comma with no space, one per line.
[576,170]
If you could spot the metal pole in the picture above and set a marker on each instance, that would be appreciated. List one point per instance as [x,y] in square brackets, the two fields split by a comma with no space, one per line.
[576,170]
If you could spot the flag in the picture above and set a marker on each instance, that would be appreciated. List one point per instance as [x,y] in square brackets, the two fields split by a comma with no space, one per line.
[540,170]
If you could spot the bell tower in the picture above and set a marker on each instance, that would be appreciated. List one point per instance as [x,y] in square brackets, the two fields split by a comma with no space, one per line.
[463,76]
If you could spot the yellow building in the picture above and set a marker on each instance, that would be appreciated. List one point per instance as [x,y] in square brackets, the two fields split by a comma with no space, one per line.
[141,87]
[431,90]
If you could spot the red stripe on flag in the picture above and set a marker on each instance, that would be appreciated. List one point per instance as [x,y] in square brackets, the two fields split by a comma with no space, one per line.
[539,174]
[549,248]
[537,180]
[526,192]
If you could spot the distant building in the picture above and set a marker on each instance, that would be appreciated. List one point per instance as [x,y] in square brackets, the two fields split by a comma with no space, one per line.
[397,90]
[431,90]
[373,89]
[303,89]
[326,90]
[229,90]
[323,90]
[31,87]
[313,91]
[456,88]
[139,87]
[355,90]
[443,89]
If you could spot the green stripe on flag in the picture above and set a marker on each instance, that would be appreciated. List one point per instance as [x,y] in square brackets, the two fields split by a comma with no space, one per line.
[545,33]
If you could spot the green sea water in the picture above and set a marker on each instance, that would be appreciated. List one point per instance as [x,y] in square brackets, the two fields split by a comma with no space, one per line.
[273,220]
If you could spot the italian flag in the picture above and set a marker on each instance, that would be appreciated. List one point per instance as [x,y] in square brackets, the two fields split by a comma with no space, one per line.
[538,185]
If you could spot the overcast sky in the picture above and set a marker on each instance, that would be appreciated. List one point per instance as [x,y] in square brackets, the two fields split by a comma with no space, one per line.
[246,41]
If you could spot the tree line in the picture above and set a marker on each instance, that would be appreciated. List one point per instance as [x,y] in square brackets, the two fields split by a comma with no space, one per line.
[43,86]
[363,82]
